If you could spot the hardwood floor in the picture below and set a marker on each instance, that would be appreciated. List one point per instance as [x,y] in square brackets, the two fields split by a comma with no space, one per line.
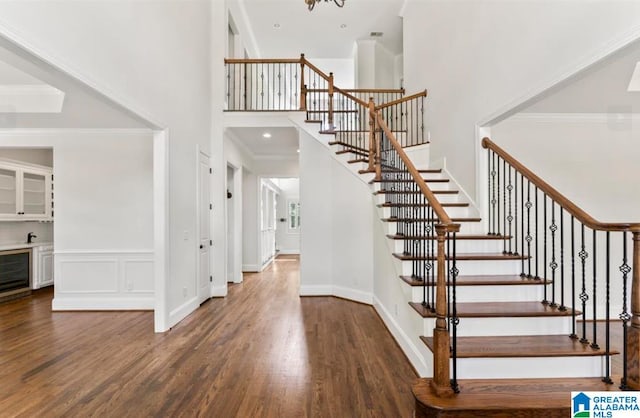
[260,352]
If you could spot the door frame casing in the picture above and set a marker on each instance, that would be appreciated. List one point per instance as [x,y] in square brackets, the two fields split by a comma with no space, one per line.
[209,294]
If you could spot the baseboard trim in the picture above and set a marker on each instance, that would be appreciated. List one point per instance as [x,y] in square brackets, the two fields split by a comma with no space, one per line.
[337,291]
[408,347]
[288,252]
[352,294]
[251,268]
[103,304]
[183,311]
[315,290]
[219,291]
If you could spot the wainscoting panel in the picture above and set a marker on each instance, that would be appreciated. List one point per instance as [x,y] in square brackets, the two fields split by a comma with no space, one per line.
[103,280]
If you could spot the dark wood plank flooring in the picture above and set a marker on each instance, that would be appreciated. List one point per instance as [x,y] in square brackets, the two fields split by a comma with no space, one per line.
[261,352]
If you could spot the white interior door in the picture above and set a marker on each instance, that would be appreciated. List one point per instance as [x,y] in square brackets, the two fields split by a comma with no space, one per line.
[204,202]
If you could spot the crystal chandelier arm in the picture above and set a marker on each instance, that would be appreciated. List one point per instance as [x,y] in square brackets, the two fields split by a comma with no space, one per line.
[339,3]
[310,4]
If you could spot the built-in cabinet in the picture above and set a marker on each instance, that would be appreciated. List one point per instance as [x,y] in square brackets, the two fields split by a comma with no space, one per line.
[26,192]
[42,266]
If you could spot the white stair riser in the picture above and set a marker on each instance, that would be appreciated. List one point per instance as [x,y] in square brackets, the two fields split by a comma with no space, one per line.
[453,212]
[498,293]
[471,228]
[505,326]
[464,246]
[474,267]
[432,185]
[531,367]
[442,198]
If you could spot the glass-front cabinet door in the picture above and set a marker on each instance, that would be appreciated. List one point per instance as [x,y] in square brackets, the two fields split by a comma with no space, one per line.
[8,193]
[34,194]
[25,192]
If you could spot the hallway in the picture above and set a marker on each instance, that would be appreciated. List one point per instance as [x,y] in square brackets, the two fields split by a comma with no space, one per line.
[261,352]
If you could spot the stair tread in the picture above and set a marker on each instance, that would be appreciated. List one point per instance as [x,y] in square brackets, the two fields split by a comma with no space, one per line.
[410,205]
[358,160]
[351,151]
[425,170]
[509,397]
[466,257]
[521,346]
[429,219]
[498,310]
[427,180]
[383,191]
[488,280]
[458,236]
[345,144]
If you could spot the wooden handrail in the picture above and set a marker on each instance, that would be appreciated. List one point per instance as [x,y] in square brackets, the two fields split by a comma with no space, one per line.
[262,61]
[400,91]
[558,197]
[402,100]
[316,70]
[428,194]
[354,98]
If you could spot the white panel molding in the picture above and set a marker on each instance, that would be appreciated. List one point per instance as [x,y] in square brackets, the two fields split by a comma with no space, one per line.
[406,343]
[55,132]
[102,304]
[182,311]
[122,279]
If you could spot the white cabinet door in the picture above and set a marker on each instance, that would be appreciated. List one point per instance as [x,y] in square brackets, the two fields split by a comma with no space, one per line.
[42,267]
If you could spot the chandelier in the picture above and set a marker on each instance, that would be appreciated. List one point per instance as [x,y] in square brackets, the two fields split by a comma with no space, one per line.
[312,3]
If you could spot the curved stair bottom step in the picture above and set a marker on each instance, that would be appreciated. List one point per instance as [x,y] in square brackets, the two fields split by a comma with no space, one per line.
[496,293]
[505,326]
[505,398]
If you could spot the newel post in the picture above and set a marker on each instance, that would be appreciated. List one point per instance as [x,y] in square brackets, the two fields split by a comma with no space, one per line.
[633,339]
[441,382]
[303,88]
[331,101]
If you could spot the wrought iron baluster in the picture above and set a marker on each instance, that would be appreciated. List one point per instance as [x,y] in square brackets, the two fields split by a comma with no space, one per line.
[537,233]
[625,269]
[454,314]
[544,252]
[562,306]
[584,297]
[528,237]
[553,228]
[573,279]
[607,330]
[594,343]
[510,217]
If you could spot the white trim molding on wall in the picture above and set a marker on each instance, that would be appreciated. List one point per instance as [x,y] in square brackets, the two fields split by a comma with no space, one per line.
[337,291]
[104,280]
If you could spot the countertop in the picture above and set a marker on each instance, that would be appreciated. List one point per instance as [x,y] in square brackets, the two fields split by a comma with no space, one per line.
[18,245]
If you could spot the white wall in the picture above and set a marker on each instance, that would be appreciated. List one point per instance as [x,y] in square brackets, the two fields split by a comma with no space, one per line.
[40,156]
[590,158]
[342,69]
[250,222]
[375,65]
[157,63]
[336,235]
[384,68]
[103,229]
[484,57]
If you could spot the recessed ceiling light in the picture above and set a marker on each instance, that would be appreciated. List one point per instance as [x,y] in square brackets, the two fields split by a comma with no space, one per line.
[276,25]
[634,84]
[266,135]
[298,151]
[344,25]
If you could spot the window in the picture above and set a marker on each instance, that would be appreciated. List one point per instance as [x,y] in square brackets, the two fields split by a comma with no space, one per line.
[293,214]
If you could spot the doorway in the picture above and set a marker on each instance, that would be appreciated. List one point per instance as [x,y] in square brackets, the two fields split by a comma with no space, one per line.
[204,238]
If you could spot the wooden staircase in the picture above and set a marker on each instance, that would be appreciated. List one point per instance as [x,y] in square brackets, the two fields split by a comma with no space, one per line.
[504,326]
[502,342]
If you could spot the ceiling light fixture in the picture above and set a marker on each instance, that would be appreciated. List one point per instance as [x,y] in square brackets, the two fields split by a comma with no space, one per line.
[266,135]
[312,3]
